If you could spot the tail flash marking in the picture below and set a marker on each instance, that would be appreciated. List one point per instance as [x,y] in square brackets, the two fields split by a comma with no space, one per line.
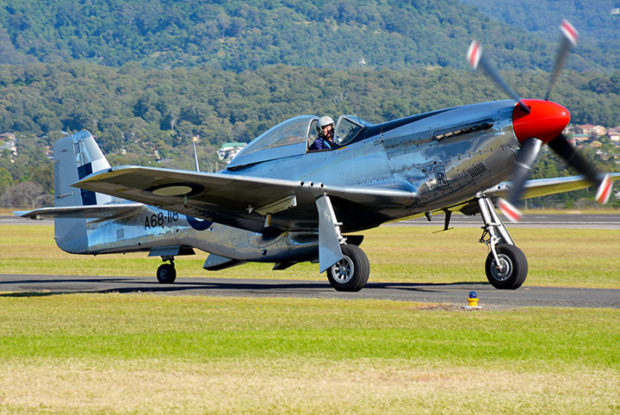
[88,197]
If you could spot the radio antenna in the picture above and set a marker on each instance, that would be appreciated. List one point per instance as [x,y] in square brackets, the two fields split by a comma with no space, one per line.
[194,141]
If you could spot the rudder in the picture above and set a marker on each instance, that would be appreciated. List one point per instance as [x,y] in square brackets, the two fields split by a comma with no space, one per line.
[75,157]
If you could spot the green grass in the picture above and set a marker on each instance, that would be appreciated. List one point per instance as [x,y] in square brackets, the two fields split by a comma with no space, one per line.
[144,354]
[557,257]
[112,353]
[131,327]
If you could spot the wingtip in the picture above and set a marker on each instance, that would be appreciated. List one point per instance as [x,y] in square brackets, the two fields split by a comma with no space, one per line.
[509,210]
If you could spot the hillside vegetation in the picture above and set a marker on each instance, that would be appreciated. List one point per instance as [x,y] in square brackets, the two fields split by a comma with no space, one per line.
[141,116]
[146,76]
[240,35]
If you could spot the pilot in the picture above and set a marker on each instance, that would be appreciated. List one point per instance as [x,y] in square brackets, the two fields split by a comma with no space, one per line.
[325,140]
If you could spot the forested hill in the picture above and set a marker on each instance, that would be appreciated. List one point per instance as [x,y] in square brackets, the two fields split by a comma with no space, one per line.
[598,26]
[149,117]
[242,35]
[145,76]
[594,18]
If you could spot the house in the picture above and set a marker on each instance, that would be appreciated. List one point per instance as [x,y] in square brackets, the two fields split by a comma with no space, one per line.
[229,150]
[591,130]
[614,134]
[596,144]
[599,130]
[579,139]
[8,142]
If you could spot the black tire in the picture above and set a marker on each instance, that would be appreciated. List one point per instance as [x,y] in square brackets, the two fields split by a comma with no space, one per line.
[513,272]
[166,274]
[350,273]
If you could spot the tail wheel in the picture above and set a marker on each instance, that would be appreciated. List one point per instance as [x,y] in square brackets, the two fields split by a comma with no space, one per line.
[511,270]
[351,272]
[166,274]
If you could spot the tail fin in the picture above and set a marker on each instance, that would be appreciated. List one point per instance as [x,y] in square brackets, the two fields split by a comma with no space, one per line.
[75,157]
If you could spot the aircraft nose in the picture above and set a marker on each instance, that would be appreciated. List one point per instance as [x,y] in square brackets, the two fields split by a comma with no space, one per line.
[545,121]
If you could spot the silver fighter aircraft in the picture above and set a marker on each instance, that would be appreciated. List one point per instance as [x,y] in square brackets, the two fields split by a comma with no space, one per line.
[279,202]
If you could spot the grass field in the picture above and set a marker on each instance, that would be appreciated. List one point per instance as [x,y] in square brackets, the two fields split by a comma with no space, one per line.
[145,354]
[557,257]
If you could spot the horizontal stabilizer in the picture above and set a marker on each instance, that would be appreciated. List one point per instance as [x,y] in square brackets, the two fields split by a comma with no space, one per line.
[114,211]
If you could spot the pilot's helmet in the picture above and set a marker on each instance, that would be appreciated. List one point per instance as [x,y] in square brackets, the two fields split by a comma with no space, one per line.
[325,120]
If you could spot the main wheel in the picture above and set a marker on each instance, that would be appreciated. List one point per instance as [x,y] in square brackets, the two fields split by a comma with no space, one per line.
[351,272]
[511,271]
[166,274]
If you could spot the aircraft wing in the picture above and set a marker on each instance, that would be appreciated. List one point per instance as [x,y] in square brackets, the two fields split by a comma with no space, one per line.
[544,187]
[533,188]
[112,211]
[241,201]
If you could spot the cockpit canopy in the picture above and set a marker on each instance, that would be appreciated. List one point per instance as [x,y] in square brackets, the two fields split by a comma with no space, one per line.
[348,128]
[293,137]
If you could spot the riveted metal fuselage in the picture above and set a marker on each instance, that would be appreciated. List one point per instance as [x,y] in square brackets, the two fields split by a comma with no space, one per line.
[156,229]
[442,159]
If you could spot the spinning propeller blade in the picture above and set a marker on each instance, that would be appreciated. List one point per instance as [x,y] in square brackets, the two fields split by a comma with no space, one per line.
[536,122]
[568,41]
[563,148]
[477,59]
[521,172]
[545,121]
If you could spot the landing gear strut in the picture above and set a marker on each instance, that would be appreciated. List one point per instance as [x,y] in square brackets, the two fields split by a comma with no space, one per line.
[506,265]
[166,273]
[346,264]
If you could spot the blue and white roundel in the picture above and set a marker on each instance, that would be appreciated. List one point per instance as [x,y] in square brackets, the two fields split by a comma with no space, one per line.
[198,224]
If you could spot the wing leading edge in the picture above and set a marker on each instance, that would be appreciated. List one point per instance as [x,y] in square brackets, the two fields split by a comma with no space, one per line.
[245,202]
[545,187]
[239,201]
[533,188]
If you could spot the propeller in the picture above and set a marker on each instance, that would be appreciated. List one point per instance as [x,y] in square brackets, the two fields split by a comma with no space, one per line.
[567,42]
[476,58]
[537,122]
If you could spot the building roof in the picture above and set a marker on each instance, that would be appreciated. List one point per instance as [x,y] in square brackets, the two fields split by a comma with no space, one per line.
[233,144]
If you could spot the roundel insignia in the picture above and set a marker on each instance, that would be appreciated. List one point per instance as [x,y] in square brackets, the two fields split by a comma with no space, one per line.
[198,224]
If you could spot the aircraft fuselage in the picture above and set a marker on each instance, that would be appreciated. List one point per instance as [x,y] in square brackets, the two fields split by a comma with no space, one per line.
[441,159]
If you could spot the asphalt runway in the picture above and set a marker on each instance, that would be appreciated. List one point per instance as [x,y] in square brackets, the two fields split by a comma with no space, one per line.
[454,294]
[566,221]
[25,285]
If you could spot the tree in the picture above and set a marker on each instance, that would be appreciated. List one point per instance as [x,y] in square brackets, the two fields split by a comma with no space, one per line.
[24,195]
[6,180]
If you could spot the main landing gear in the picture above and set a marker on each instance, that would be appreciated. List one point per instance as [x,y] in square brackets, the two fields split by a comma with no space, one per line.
[351,272]
[346,264]
[506,265]
[166,273]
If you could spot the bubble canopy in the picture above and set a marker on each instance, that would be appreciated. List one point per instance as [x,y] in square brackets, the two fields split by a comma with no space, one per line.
[292,137]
